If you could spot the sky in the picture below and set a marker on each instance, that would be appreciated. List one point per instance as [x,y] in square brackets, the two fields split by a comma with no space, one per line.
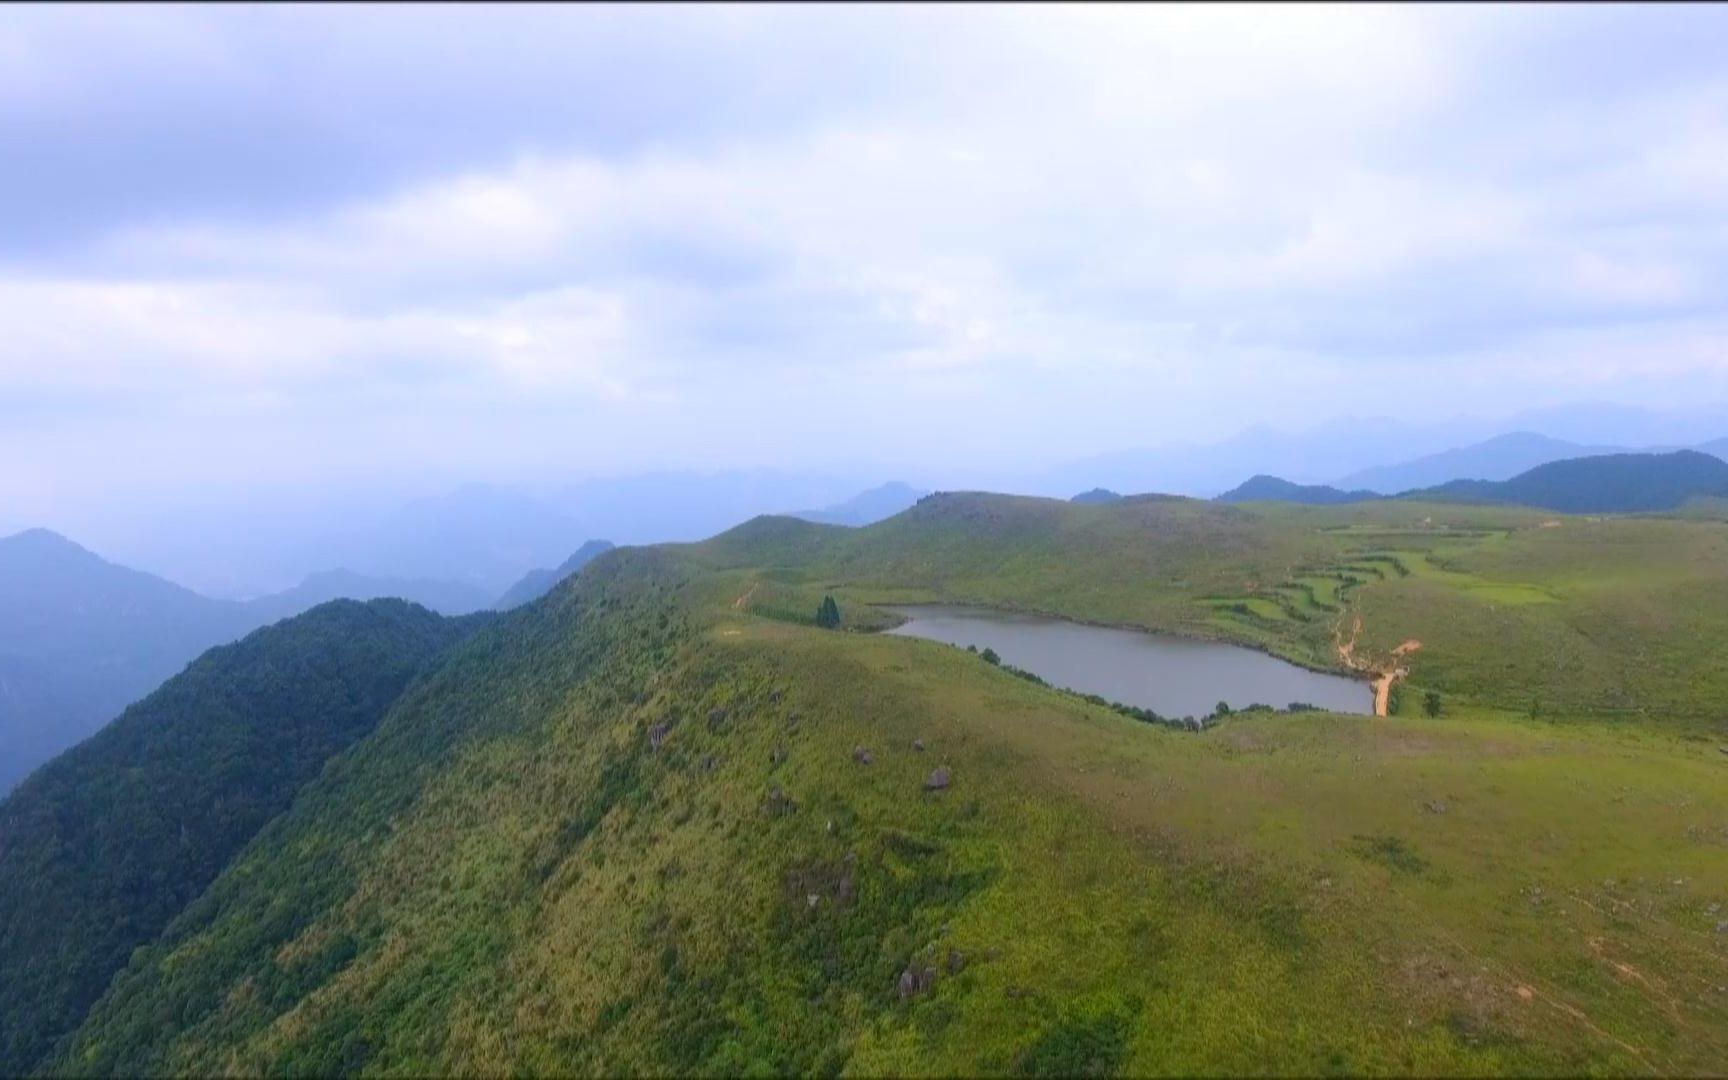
[250,245]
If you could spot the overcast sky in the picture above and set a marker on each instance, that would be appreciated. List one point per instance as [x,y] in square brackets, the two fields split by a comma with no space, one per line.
[299,243]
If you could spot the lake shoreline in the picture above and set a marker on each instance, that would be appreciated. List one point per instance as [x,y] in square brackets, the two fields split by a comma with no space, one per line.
[1167,673]
[1343,672]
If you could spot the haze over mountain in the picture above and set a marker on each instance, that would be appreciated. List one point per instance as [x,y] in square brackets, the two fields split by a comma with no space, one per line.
[443,597]
[537,583]
[81,637]
[1499,458]
[1096,497]
[481,535]
[1612,483]
[1351,451]
[867,507]
[1271,488]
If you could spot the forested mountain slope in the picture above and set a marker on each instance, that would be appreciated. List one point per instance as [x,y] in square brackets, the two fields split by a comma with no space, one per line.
[103,846]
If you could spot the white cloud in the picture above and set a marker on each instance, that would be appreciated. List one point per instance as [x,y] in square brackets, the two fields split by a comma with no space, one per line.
[1121,217]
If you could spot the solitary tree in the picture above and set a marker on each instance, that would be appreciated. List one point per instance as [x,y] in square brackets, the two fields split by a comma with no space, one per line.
[1222,709]
[1431,703]
[990,656]
[828,614]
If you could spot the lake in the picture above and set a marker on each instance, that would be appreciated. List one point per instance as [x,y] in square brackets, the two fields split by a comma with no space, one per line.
[1172,676]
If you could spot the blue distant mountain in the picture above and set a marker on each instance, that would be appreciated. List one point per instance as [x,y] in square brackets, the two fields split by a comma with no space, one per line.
[1265,488]
[867,507]
[1606,484]
[1499,458]
[537,583]
[1097,495]
[81,637]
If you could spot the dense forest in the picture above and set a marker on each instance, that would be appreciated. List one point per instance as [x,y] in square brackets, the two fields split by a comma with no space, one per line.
[103,846]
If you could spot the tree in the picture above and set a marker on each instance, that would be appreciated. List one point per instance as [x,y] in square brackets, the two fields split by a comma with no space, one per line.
[990,656]
[828,614]
[1431,703]
[1221,709]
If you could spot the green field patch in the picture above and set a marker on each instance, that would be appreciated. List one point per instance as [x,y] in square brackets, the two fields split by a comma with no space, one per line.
[1249,606]
[1494,592]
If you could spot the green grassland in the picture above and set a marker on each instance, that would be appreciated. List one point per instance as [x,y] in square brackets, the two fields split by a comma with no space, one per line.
[626,829]
[1600,617]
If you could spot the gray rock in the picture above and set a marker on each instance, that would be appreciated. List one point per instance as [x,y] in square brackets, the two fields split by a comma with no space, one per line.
[939,780]
[863,756]
[918,745]
[657,734]
[916,980]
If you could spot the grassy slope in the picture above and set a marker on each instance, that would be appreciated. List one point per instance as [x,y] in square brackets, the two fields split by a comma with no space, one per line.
[508,877]
[1584,616]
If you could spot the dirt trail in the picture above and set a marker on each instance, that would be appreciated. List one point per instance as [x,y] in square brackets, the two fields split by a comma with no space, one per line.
[744,598]
[1384,674]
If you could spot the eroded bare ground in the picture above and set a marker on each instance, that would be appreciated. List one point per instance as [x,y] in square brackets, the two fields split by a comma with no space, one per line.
[1385,674]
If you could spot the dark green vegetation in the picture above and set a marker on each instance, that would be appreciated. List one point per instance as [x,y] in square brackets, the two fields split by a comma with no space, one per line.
[537,583]
[659,822]
[1610,484]
[1265,488]
[828,614]
[103,846]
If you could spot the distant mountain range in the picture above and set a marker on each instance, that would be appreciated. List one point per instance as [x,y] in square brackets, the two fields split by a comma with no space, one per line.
[537,583]
[480,535]
[1606,484]
[1499,458]
[1596,484]
[866,508]
[81,637]
[1265,488]
[444,597]
[1348,452]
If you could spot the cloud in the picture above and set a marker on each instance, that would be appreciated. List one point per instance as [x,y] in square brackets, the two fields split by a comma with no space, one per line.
[720,233]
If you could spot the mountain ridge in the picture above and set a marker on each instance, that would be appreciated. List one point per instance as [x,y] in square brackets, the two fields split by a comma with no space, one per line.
[101,847]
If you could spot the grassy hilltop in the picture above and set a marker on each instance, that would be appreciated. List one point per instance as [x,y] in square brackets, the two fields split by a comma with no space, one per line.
[629,828]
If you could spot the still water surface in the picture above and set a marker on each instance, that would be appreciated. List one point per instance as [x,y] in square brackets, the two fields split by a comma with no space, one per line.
[1172,676]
